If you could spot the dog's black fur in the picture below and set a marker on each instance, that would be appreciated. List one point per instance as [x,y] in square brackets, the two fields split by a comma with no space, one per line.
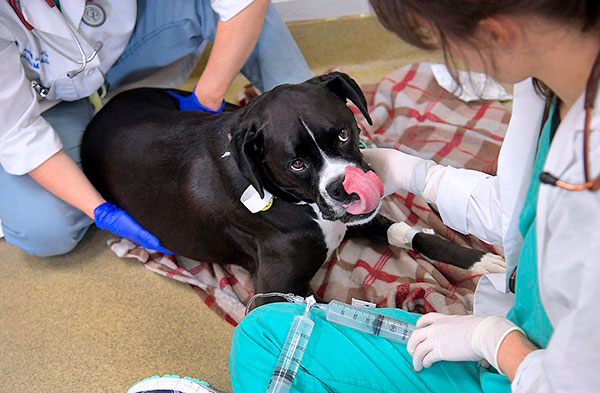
[181,175]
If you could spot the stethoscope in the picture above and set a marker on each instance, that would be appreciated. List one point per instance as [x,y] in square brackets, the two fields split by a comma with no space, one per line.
[93,15]
[591,90]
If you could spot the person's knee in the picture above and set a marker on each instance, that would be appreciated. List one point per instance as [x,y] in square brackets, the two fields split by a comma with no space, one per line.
[264,325]
[50,237]
[256,344]
[51,246]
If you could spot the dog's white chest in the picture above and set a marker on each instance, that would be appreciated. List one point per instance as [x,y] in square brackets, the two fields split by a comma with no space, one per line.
[333,231]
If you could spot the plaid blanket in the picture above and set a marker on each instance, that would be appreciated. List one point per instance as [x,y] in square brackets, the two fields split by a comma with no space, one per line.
[412,113]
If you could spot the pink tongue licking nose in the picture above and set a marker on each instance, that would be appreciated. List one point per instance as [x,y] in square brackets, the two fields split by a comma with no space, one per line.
[368,187]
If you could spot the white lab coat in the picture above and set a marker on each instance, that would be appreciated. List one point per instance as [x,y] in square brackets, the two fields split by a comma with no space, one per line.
[568,239]
[26,139]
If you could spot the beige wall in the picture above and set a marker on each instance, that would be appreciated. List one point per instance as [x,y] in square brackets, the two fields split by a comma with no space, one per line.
[294,10]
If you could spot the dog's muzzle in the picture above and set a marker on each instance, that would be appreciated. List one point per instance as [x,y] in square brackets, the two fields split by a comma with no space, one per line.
[356,196]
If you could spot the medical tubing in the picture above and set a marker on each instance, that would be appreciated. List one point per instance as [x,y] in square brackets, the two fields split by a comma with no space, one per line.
[290,297]
[359,318]
[291,354]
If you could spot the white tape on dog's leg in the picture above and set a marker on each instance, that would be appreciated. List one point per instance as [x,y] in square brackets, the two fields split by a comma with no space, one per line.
[401,235]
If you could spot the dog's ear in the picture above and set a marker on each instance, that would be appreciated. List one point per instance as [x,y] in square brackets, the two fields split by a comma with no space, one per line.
[346,88]
[247,147]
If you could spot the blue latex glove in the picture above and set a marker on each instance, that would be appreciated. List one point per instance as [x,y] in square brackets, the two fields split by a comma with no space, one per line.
[191,103]
[108,216]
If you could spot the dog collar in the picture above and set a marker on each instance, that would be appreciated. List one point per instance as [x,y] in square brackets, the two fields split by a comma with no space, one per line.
[253,202]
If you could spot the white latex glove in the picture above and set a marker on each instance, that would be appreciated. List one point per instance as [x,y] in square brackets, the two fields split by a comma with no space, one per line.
[458,338]
[401,171]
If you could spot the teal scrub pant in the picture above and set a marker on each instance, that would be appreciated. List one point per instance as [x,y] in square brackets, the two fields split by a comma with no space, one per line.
[339,359]
[40,223]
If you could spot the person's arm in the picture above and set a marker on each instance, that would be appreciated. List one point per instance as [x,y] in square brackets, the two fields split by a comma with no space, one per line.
[569,275]
[26,138]
[468,200]
[29,145]
[469,338]
[461,338]
[512,351]
[234,41]
[62,177]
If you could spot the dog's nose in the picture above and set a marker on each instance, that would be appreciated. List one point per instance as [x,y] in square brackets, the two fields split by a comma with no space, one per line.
[336,190]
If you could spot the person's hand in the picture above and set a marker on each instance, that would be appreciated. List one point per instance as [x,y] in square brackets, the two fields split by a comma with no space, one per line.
[457,338]
[108,216]
[191,103]
[397,170]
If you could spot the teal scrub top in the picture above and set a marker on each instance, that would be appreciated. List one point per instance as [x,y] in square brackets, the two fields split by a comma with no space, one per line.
[528,312]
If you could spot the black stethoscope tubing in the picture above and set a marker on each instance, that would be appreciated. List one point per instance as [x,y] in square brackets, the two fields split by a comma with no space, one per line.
[591,91]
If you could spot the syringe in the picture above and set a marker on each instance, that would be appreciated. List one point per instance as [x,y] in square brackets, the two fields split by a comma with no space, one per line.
[292,351]
[366,321]
[353,317]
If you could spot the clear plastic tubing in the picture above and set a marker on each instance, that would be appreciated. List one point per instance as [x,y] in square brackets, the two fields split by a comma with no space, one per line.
[360,318]
[291,354]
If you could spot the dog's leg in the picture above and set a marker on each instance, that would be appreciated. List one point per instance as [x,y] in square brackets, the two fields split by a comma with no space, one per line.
[375,230]
[442,250]
[287,269]
[433,247]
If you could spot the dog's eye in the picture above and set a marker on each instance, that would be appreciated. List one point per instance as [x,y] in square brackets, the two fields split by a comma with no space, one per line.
[298,165]
[344,135]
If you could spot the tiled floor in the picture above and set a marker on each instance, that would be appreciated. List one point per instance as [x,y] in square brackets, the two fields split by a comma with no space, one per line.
[91,322]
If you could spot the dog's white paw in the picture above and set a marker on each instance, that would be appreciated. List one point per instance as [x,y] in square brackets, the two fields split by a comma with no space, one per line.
[489,263]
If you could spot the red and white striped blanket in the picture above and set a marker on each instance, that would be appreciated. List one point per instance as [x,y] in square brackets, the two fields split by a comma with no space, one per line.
[412,113]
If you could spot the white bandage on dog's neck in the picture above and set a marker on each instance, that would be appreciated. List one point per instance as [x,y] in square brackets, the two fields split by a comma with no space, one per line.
[401,235]
[253,202]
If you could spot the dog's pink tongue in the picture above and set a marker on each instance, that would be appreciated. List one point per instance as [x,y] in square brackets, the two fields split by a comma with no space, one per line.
[368,187]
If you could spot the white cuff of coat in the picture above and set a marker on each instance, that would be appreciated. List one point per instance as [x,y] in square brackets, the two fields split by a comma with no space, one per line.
[528,373]
[453,196]
[227,9]
[29,148]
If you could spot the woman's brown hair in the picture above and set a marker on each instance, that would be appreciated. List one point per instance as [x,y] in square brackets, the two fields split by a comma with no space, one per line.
[415,21]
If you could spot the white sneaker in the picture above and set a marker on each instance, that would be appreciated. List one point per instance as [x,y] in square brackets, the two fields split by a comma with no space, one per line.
[171,383]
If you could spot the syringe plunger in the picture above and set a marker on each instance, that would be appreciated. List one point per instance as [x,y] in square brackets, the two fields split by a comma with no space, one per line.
[360,318]
[291,354]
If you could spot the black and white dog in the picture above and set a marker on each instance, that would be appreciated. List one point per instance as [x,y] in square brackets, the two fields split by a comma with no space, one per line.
[181,175]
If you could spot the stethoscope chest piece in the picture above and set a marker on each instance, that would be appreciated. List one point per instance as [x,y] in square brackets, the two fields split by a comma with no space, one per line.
[93,15]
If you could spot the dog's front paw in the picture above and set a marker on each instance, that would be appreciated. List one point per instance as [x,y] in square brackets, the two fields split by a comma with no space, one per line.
[489,263]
